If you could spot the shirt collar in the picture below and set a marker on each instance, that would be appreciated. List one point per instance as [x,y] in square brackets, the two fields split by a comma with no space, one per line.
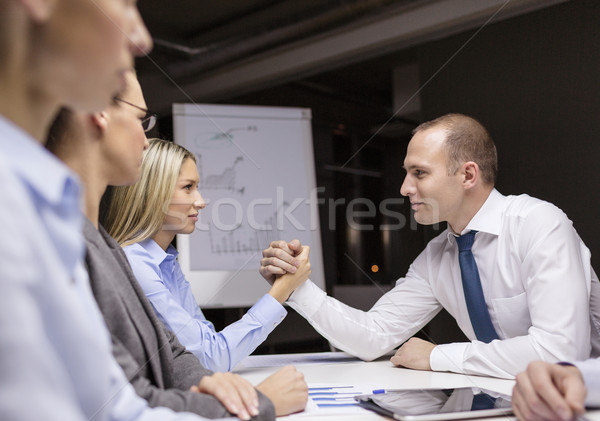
[488,218]
[156,251]
[35,165]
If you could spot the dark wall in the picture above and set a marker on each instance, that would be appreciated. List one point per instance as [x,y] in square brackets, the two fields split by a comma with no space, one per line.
[533,82]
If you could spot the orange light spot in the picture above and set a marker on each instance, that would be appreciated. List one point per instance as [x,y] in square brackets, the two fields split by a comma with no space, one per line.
[374,268]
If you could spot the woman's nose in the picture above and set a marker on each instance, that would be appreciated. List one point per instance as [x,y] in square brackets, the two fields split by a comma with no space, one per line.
[199,202]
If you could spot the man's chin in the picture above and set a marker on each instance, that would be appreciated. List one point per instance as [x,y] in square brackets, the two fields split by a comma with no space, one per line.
[425,219]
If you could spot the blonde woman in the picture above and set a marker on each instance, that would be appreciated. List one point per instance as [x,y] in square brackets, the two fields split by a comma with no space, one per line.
[145,218]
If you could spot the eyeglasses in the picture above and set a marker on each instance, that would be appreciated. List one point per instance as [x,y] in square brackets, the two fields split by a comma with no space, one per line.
[148,121]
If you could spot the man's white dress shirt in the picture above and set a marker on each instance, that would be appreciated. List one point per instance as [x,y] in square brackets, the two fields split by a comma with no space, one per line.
[535,272]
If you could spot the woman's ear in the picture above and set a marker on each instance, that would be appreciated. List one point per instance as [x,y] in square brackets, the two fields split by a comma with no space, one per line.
[100,122]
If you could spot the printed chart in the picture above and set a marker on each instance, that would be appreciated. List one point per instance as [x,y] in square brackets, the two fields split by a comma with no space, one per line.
[257,177]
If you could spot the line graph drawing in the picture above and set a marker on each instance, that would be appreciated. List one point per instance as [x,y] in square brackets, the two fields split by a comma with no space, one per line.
[220,139]
[226,180]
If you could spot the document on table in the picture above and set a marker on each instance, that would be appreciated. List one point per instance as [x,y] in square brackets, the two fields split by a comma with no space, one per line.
[279,360]
[334,399]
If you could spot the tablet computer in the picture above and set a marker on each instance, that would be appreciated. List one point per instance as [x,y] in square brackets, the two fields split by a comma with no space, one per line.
[437,404]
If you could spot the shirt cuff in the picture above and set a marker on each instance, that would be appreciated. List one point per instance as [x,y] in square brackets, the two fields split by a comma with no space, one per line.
[268,312]
[448,357]
[590,370]
[307,299]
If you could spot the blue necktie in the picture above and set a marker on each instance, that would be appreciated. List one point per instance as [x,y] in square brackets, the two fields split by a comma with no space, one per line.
[478,312]
[483,401]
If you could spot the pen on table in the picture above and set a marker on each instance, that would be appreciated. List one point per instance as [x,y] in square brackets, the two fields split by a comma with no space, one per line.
[382,391]
[333,398]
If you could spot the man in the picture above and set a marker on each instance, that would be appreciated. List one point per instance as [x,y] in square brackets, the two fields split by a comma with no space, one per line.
[106,149]
[520,260]
[55,352]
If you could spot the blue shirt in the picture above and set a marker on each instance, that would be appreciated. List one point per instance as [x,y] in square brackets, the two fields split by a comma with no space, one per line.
[160,276]
[55,351]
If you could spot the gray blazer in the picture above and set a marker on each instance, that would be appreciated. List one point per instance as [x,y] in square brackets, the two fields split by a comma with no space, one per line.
[160,369]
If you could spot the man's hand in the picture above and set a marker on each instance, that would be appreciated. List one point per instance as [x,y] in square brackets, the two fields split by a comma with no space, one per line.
[279,259]
[287,390]
[284,285]
[549,392]
[236,394]
[414,354]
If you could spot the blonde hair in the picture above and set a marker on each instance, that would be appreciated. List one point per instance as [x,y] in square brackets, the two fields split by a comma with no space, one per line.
[137,212]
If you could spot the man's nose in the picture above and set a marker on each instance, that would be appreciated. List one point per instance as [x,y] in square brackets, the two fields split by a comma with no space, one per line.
[407,187]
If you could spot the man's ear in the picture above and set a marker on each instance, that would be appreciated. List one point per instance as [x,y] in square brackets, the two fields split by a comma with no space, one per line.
[39,10]
[471,174]
[99,122]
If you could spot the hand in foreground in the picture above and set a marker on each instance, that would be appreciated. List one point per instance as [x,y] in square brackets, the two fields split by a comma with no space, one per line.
[236,394]
[286,389]
[549,392]
[414,354]
[284,285]
[279,259]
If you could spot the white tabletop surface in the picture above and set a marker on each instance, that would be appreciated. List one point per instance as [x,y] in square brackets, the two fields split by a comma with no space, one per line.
[378,374]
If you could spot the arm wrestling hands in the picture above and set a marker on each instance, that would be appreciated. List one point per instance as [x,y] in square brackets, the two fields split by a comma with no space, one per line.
[547,391]
[282,259]
[285,266]
[286,388]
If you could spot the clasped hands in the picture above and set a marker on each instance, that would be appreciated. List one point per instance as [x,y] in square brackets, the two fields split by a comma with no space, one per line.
[282,259]
[285,266]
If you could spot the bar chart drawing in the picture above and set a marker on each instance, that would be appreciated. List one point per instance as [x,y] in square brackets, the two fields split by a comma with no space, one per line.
[244,240]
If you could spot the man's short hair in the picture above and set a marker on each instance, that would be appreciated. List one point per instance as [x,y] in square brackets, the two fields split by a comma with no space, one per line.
[466,140]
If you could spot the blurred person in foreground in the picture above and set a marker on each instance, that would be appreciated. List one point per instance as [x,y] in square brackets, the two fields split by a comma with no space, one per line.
[55,354]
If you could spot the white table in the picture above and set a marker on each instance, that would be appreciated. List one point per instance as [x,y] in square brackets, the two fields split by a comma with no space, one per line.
[380,372]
